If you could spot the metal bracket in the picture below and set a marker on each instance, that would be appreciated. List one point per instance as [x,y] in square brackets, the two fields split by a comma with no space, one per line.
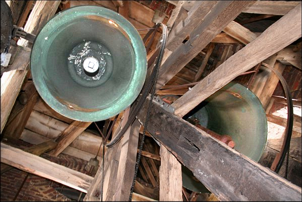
[163,104]
[20,33]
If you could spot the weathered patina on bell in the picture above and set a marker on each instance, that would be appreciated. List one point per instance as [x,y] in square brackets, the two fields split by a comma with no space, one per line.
[88,63]
[235,111]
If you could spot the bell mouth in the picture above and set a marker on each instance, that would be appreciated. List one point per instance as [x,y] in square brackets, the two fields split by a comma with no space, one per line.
[88,63]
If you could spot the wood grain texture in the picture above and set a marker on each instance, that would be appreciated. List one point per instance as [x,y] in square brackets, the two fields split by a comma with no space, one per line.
[279,35]
[44,168]
[170,177]
[41,13]
[271,7]
[69,135]
[216,20]
[239,32]
[228,174]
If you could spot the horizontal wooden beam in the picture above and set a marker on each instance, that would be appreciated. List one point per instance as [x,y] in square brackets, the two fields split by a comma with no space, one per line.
[278,36]
[44,168]
[239,32]
[225,172]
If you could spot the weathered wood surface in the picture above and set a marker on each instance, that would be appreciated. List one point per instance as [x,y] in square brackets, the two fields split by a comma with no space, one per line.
[119,168]
[44,168]
[69,135]
[239,32]
[11,83]
[170,177]
[41,13]
[225,172]
[212,24]
[271,7]
[279,35]
[21,111]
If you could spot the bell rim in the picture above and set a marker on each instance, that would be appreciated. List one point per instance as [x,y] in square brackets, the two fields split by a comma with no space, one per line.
[130,94]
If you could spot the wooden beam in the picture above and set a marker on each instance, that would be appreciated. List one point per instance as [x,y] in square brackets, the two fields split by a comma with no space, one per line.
[224,38]
[119,168]
[21,111]
[206,30]
[290,57]
[10,90]
[170,177]
[41,13]
[69,135]
[150,155]
[279,35]
[239,32]
[225,172]
[204,62]
[44,168]
[271,7]
[141,13]
[283,121]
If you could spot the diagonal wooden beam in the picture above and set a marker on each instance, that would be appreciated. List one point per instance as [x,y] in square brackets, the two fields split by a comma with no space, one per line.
[239,32]
[278,36]
[44,168]
[41,13]
[205,31]
[226,173]
[69,135]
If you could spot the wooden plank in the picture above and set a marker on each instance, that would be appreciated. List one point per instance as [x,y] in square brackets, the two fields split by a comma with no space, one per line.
[149,172]
[183,29]
[104,3]
[45,109]
[271,7]
[44,168]
[279,35]
[34,138]
[219,17]
[283,121]
[204,62]
[176,11]
[226,173]
[239,32]
[290,57]
[138,197]
[11,83]
[41,13]
[141,13]
[150,155]
[224,38]
[69,135]
[21,111]
[119,168]
[127,163]
[170,177]
[271,85]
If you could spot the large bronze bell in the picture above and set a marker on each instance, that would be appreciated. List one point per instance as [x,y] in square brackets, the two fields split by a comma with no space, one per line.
[235,111]
[88,63]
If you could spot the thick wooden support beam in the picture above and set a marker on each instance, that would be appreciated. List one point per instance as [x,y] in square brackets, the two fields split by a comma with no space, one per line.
[225,172]
[239,32]
[170,177]
[21,111]
[271,7]
[217,18]
[44,168]
[279,35]
[119,168]
[41,13]
[69,135]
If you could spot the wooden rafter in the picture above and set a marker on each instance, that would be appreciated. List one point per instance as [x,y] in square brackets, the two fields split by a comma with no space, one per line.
[205,31]
[225,172]
[279,35]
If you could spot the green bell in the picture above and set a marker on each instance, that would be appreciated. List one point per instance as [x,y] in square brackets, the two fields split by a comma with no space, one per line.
[88,63]
[235,111]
